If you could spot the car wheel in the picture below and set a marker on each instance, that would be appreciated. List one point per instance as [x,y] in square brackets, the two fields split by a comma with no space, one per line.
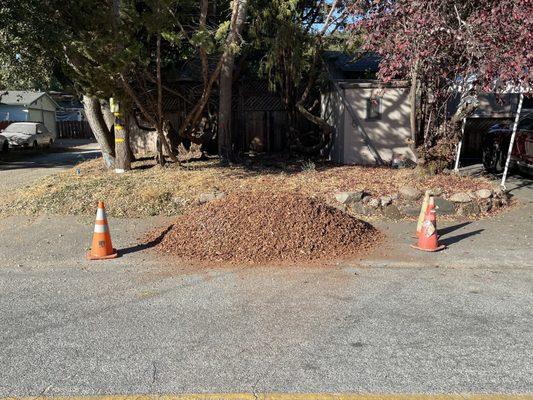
[500,161]
[492,158]
[488,157]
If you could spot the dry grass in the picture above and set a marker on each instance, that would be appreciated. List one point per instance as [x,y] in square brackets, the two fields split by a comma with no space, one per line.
[152,190]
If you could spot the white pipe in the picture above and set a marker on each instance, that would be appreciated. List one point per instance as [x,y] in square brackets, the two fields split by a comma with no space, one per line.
[511,144]
[459,146]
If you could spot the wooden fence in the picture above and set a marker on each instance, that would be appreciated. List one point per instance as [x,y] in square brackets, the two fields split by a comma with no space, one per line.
[74,130]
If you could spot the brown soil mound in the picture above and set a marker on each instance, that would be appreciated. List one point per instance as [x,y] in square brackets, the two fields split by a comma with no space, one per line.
[263,227]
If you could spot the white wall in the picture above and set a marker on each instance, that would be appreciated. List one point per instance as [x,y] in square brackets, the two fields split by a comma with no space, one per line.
[49,120]
[390,134]
[332,110]
[44,110]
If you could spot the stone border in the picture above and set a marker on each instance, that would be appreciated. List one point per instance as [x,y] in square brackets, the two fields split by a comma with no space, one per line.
[408,200]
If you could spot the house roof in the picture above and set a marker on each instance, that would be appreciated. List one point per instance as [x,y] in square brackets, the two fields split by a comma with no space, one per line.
[21,97]
[343,65]
[66,100]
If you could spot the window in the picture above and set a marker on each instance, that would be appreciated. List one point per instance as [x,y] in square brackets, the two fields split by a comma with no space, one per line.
[373,109]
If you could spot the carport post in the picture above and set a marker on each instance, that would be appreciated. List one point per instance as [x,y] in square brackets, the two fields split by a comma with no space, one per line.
[511,144]
[459,146]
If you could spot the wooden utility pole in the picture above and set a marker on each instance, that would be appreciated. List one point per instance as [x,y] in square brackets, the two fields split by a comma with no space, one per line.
[122,153]
[122,142]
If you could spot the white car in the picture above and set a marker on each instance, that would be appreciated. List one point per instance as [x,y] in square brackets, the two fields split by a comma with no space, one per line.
[4,144]
[28,135]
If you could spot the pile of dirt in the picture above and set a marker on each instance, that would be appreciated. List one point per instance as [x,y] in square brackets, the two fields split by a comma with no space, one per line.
[259,227]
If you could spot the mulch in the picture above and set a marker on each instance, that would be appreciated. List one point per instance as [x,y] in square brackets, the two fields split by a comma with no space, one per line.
[262,227]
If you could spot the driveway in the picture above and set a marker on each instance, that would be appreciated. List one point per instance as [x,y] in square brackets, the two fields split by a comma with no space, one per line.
[21,168]
[399,321]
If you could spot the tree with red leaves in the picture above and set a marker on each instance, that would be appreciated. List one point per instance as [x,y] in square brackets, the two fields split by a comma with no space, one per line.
[447,48]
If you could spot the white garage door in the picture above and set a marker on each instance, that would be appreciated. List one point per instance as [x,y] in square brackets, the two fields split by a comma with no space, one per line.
[49,120]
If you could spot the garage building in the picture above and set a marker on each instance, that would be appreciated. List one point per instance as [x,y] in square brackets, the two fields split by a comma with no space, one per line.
[28,106]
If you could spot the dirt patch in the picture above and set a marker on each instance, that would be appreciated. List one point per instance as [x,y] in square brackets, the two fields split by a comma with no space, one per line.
[258,228]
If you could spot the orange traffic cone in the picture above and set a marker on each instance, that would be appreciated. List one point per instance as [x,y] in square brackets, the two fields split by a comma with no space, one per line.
[102,249]
[428,239]
[422,214]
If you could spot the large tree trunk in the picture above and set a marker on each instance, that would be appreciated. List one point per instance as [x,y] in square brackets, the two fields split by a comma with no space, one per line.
[122,138]
[225,143]
[93,112]
[109,118]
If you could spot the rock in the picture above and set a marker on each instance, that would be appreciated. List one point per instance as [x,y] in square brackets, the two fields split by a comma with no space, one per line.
[485,205]
[349,197]
[207,197]
[437,191]
[340,207]
[460,198]
[392,212]
[179,201]
[499,192]
[373,202]
[484,194]
[409,209]
[360,208]
[385,200]
[468,209]
[444,207]
[410,193]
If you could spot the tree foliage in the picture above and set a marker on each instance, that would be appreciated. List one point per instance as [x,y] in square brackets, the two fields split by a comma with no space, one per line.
[448,46]
[290,36]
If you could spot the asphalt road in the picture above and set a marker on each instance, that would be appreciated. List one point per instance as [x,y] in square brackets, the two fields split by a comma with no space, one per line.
[21,168]
[460,321]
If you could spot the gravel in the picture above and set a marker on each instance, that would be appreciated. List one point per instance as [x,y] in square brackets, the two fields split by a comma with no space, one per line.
[259,227]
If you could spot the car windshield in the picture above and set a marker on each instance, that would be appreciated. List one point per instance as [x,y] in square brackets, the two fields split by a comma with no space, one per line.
[28,129]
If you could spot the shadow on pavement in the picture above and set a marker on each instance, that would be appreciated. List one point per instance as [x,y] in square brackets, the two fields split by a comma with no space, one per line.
[145,246]
[457,238]
[450,229]
[521,183]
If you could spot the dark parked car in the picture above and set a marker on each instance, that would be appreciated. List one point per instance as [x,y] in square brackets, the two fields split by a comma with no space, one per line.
[496,145]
